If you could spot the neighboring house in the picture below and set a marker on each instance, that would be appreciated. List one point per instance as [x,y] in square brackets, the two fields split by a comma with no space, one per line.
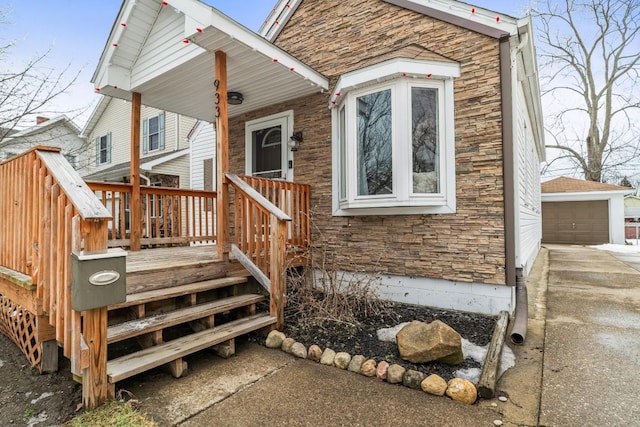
[202,146]
[632,215]
[163,142]
[576,211]
[59,132]
[417,124]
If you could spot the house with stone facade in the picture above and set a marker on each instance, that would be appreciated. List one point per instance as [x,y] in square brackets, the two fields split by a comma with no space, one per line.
[417,124]
[424,153]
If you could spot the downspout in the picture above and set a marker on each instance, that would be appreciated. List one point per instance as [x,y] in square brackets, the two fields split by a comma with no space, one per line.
[513,275]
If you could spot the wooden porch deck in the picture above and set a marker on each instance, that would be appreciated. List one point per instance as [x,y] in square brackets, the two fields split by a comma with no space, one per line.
[211,294]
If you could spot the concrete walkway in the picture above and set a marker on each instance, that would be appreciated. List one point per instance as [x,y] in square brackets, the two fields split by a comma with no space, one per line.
[579,366]
[591,374]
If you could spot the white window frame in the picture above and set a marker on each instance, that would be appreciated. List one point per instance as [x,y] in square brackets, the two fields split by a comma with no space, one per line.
[400,75]
[106,149]
[146,135]
[284,119]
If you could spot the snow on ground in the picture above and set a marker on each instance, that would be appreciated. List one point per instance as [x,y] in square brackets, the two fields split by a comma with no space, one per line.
[624,249]
[478,353]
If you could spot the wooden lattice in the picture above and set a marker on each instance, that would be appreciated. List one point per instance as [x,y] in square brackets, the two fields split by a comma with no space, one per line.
[20,326]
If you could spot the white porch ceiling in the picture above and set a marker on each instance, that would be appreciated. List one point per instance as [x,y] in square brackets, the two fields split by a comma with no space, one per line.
[149,55]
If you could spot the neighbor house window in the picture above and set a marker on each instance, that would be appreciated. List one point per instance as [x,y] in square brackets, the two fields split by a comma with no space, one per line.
[153,133]
[103,149]
[394,139]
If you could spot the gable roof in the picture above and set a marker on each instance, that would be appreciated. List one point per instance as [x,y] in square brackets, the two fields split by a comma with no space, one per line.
[96,114]
[165,51]
[564,184]
[146,164]
[48,124]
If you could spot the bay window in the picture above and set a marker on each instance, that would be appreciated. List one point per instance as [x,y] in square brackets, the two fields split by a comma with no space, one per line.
[394,140]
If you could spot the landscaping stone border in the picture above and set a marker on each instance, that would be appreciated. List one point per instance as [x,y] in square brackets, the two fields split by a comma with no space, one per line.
[458,389]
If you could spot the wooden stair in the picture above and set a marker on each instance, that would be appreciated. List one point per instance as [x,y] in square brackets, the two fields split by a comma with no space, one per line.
[170,319]
[135,363]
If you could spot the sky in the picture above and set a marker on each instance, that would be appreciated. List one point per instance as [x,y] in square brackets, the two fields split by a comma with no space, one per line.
[76,32]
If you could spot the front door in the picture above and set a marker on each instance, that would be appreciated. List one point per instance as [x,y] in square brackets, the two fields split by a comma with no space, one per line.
[267,153]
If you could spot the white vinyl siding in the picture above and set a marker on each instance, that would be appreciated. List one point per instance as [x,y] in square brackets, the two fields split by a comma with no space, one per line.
[528,189]
[115,120]
[164,47]
[203,146]
[203,169]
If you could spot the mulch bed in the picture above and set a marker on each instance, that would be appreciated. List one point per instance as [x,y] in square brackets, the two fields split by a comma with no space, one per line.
[360,337]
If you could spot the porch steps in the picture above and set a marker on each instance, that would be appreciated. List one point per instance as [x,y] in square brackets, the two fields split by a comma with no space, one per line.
[141,298]
[152,357]
[137,327]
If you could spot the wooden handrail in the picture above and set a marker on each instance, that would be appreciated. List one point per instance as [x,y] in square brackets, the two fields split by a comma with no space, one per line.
[49,212]
[259,198]
[72,184]
[293,199]
[260,230]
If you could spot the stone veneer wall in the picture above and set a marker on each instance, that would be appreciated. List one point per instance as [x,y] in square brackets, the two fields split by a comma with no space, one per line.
[334,37]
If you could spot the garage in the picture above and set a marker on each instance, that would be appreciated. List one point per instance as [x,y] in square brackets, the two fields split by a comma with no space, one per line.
[582,212]
[582,223]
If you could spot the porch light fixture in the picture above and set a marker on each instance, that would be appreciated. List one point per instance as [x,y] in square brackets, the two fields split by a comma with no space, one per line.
[234,98]
[295,140]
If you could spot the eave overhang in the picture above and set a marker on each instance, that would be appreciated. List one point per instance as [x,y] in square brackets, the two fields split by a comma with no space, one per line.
[262,72]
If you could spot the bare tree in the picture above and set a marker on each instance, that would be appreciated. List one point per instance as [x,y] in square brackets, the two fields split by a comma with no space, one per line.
[29,89]
[590,55]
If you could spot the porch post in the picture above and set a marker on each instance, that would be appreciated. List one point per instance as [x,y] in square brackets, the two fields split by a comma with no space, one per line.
[135,205]
[222,155]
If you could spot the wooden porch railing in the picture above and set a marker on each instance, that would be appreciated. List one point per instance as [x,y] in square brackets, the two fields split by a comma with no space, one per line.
[291,198]
[48,212]
[259,241]
[169,215]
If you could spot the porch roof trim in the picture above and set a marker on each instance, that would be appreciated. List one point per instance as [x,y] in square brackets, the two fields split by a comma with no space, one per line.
[165,51]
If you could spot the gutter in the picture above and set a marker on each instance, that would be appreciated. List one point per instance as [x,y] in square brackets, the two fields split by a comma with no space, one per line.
[513,275]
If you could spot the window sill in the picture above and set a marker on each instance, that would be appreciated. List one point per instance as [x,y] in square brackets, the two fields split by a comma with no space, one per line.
[395,210]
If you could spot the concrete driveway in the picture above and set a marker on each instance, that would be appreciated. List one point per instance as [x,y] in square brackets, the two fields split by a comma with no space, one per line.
[591,373]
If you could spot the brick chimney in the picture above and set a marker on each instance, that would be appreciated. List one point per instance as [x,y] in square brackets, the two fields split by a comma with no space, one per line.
[41,119]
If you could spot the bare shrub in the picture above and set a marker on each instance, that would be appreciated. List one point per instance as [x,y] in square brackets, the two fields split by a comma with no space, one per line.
[329,291]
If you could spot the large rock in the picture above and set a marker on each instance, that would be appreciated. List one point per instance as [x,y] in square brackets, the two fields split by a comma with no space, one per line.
[462,390]
[420,342]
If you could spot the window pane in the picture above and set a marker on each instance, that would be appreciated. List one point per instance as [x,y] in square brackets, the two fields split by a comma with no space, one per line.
[153,142]
[424,129]
[374,144]
[343,154]
[267,152]
[103,149]
[153,125]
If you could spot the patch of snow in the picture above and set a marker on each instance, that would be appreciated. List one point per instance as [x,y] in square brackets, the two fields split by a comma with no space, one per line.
[470,374]
[389,334]
[40,418]
[623,249]
[42,396]
[1,363]
[478,354]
